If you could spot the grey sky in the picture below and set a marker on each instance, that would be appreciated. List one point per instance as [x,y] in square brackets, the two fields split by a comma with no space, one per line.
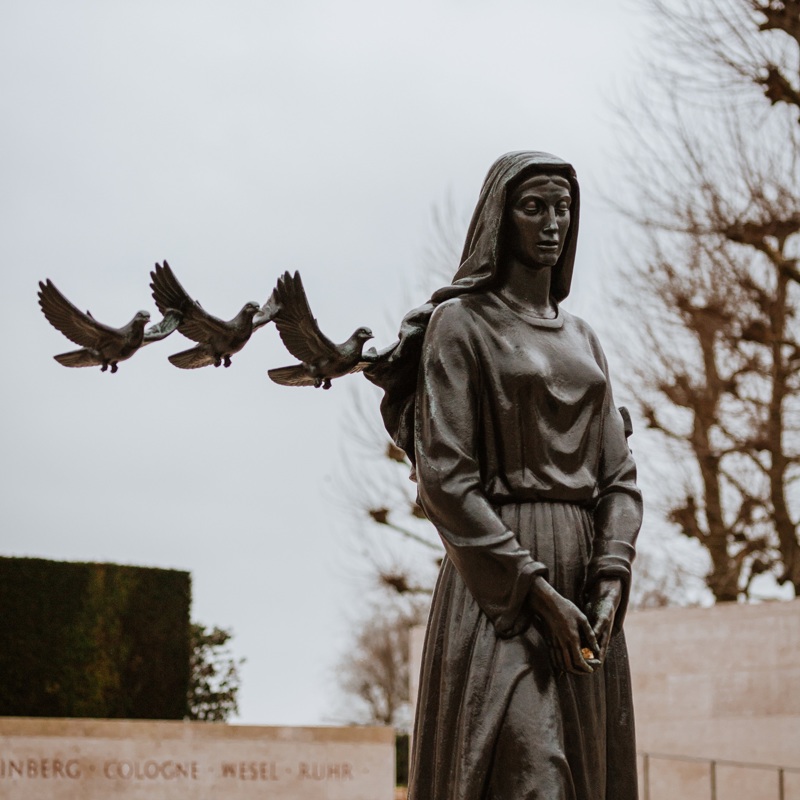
[238,140]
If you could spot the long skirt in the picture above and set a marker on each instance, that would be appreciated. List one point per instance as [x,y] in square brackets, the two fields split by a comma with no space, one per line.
[495,720]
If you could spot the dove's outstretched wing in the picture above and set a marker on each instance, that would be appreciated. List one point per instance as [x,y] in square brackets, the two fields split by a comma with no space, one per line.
[195,322]
[296,324]
[83,329]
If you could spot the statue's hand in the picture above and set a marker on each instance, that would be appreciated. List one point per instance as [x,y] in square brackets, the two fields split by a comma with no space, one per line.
[601,608]
[568,629]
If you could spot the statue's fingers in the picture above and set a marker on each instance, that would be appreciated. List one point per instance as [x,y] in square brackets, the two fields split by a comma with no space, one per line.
[604,637]
[574,654]
[603,649]
[579,664]
[588,635]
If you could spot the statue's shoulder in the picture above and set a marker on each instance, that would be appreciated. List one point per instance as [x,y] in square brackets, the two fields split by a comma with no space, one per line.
[577,323]
[457,315]
[585,331]
[459,310]
[455,323]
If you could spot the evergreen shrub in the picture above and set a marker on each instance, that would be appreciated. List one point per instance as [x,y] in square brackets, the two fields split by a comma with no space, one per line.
[93,640]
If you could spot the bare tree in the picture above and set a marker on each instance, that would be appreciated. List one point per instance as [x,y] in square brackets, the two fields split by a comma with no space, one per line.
[375,673]
[717,196]
[397,542]
[745,47]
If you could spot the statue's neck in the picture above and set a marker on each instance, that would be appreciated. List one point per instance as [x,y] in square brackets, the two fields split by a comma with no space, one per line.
[528,287]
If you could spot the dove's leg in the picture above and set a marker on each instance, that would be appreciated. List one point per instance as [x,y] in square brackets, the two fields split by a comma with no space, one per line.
[326,383]
[312,372]
[217,360]
[104,367]
[227,361]
[113,367]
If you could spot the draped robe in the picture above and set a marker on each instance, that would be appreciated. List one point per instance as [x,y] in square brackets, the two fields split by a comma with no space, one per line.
[523,467]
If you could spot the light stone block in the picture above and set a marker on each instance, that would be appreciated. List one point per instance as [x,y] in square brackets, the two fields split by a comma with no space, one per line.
[55,759]
[717,684]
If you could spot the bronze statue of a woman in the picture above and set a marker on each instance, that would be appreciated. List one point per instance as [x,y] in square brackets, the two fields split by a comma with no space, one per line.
[502,400]
[503,403]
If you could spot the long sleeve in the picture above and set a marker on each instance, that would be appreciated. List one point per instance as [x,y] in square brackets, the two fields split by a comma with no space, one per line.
[488,556]
[618,511]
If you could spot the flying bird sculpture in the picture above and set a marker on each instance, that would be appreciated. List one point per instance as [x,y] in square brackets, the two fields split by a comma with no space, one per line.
[217,340]
[321,360]
[101,344]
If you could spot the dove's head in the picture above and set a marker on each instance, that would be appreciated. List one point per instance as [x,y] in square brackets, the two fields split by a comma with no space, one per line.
[142,316]
[363,335]
[251,309]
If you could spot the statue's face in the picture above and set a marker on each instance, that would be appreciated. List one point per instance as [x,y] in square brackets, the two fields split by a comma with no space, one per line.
[538,220]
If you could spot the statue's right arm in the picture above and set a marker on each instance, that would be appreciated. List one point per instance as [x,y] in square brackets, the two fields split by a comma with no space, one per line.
[497,570]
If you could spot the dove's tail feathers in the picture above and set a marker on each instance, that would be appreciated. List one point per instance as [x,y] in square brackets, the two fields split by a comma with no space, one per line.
[192,359]
[162,329]
[78,358]
[296,375]
[268,311]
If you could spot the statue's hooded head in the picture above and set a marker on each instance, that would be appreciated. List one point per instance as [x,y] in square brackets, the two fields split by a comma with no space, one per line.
[480,269]
[482,257]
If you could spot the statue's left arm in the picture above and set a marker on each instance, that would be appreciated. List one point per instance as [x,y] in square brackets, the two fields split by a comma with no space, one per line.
[617,519]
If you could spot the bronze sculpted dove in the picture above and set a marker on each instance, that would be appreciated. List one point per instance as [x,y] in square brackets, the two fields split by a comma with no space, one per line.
[101,345]
[217,340]
[322,360]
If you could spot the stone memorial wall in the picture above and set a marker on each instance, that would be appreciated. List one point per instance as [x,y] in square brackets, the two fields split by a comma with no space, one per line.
[717,689]
[53,759]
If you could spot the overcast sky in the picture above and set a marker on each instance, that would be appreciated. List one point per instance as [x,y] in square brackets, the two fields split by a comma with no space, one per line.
[238,140]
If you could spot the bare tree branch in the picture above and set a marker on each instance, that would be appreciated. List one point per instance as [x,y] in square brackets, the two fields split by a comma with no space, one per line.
[715,303]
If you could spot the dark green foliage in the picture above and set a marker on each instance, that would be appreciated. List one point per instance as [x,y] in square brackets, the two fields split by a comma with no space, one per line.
[401,759]
[214,680]
[93,640]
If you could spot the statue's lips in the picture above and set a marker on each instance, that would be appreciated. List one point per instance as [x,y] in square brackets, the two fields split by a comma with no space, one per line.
[547,245]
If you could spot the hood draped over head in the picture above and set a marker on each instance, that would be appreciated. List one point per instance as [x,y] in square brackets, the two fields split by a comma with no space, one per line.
[481,261]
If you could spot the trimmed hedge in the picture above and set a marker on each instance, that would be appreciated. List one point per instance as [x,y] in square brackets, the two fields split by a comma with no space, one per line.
[401,759]
[93,640]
